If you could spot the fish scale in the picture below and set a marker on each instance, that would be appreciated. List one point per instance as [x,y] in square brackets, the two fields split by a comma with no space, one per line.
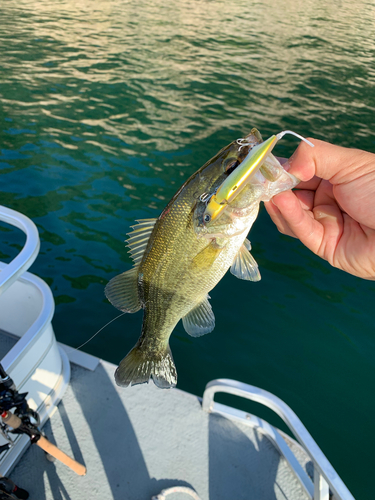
[180,257]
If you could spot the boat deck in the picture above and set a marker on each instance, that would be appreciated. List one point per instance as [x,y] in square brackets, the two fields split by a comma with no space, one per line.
[137,441]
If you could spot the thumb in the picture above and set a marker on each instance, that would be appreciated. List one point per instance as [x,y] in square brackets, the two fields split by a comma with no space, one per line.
[327,161]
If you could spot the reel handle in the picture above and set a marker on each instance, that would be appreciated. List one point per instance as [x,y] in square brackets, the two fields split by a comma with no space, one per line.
[14,421]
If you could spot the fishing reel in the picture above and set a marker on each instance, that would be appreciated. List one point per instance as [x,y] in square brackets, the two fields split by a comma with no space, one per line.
[10,398]
[10,491]
[18,418]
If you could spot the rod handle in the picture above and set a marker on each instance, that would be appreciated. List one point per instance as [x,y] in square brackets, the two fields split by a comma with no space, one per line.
[14,421]
[11,419]
[50,448]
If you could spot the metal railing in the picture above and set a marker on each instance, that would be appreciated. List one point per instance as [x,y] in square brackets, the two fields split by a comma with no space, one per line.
[28,254]
[325,477]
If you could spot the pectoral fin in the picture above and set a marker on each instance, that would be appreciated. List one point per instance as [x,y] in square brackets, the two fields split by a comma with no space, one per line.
[244,265]
[271,169]
[200,320]
[206,257]
[122,291]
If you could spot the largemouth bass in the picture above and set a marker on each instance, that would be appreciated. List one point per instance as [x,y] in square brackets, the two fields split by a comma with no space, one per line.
[180,256]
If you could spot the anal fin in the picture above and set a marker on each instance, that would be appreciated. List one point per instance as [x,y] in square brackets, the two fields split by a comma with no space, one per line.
[200,320]
[244,265]
[122,291]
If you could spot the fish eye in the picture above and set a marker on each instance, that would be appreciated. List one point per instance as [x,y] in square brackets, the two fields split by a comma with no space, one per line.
[230,164]
[207,218]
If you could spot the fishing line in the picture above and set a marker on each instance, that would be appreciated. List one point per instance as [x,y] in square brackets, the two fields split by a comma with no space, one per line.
[95,334]
[281,134]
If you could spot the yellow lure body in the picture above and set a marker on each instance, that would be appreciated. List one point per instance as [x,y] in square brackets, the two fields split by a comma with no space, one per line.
[238,179]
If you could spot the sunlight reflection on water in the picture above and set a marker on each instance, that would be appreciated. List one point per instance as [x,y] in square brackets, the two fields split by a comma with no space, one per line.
[107,108]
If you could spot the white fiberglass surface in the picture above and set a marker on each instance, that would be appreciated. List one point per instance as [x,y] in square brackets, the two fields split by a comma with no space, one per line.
[20,305]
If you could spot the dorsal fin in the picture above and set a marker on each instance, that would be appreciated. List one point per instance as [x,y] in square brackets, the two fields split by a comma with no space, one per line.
[138,238]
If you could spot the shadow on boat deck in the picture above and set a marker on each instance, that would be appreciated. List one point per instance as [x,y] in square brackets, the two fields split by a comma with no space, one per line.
[240,467]
[136,442]
[99,434]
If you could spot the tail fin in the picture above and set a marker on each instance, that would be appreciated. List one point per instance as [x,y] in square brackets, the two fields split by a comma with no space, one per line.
[140,365]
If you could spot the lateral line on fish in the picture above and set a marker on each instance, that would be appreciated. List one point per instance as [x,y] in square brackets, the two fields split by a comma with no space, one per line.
[95,334]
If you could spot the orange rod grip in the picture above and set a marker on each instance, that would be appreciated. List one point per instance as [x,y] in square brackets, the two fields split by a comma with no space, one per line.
[60,455]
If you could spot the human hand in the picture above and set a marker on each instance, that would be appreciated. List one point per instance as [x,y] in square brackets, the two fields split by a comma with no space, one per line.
[332,211]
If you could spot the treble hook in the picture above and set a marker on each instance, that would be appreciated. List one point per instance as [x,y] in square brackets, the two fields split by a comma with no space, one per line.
[242,143]
[205,197]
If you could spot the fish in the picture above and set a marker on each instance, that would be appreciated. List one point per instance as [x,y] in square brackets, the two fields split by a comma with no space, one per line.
[180,256]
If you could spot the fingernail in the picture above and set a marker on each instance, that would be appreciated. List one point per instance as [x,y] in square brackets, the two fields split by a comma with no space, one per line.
[321,214]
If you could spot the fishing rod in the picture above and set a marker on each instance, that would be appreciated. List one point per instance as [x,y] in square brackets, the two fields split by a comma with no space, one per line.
[24,420]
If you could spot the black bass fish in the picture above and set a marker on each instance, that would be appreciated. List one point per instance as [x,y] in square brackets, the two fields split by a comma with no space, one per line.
[180,256]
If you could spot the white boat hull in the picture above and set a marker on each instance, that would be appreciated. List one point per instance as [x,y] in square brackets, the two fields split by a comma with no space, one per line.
[36,363]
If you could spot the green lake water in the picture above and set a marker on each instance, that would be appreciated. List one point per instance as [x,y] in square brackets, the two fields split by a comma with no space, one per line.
[108,107]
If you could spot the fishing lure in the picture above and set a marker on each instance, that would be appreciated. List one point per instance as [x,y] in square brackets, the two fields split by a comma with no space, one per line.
[241,176]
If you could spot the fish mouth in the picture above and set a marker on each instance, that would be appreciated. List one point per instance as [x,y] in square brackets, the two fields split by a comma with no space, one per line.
[240,176]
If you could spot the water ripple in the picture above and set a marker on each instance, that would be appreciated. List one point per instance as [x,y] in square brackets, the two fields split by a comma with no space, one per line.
[107,107]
